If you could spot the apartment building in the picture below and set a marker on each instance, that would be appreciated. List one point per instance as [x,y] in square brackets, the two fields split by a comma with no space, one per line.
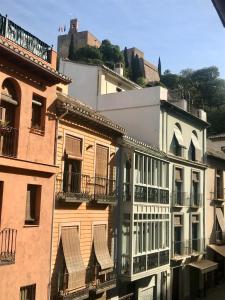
[84,239]
[144,227]
[165,120]
[28,81]
[215,220]
[100,80]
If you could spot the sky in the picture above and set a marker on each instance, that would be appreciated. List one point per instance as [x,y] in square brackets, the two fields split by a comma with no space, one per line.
[184,33]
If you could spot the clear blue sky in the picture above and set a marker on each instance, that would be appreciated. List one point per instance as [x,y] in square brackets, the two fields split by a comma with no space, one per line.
[184,33]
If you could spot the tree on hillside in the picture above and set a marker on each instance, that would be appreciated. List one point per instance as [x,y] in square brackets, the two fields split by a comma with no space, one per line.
[88,53]
[205,90]
[126,62]
[111,54]
[159,68]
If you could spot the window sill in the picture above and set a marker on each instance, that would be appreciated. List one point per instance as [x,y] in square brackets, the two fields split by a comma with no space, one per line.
[30,225]
[37,131]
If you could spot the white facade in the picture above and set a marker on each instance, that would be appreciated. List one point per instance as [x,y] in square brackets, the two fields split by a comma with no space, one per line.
[91,81]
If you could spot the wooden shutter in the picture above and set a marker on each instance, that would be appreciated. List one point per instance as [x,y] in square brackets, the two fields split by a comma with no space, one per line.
[73,146]
[101,247]
[178,221]
[101,161]
[195,218]
[73,258]
[30,203]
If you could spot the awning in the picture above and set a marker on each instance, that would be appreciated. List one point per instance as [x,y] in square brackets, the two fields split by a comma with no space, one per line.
[204,265]
[8,99]
[73,146]
[220,218]
[219,249]
[73,258]
[179,137]
[101,248]
[195,141]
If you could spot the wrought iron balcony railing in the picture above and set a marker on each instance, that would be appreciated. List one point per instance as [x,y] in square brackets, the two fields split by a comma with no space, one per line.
[77,187]
[78,294]
[196,200]
[7,246]
[185,248]
[218,196]
[74,187]
[23,38]
[180,199]
[127,297]
[8,141]
[105,190]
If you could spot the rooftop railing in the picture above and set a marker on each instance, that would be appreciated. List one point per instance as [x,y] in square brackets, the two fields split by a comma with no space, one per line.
[7,246]
[23,38]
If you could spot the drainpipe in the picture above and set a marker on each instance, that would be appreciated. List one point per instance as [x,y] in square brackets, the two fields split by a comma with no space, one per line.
[53,202]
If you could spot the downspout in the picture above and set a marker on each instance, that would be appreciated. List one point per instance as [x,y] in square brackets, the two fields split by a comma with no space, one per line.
[54,192]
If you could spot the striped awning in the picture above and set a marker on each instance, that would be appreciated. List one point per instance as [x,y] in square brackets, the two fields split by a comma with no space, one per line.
[73,258]
[179,137]
[101,247]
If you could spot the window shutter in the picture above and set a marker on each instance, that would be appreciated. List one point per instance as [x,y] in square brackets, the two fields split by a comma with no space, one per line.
[101,162]
[73,146]
[178,174]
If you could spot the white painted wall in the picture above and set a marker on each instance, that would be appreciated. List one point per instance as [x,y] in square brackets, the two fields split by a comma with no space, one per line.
[84,84]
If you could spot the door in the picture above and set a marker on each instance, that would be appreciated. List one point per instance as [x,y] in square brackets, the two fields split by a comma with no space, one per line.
[72,181]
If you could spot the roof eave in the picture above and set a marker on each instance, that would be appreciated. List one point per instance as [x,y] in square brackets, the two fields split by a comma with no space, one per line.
[220,8]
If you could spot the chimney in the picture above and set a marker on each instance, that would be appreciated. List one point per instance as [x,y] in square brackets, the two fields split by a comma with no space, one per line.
[74,25]
[119,69]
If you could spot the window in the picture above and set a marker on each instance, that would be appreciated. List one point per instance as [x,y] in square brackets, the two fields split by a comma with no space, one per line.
[194,149]
[219,184]
[195,195]
[177,144]
[33,204]
[38,113]
[195,232]
[178,192]
[28,292]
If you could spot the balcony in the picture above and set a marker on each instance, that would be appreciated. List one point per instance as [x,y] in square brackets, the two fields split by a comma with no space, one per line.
[105,190]
[218,196]
[192,247]
[7,246]
[8,141]
[78,294]
[74,187]
[196,200]
[180,199]
[104,280]
[21,37]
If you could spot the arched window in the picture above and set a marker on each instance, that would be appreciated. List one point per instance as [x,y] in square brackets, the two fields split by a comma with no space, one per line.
[177,144]
[194,149]
[9,121]
[9,101]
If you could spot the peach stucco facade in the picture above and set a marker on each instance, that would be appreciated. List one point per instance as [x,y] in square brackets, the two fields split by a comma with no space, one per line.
[26,158]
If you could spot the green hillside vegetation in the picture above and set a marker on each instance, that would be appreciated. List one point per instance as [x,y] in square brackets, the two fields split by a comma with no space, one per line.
[204,89]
